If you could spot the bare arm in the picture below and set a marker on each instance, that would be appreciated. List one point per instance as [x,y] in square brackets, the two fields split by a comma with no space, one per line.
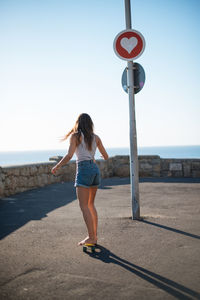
[67,157]
[101,148]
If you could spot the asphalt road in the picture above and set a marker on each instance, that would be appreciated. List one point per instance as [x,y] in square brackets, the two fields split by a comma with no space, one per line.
[155,258]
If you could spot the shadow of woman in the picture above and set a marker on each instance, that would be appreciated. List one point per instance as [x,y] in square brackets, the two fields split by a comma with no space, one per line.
[171,287]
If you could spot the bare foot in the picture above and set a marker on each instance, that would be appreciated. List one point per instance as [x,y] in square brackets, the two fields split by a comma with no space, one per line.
[90,241]
[87,240]
[83,241]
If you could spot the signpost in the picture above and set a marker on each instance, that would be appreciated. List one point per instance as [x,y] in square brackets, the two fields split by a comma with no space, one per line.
[129,45]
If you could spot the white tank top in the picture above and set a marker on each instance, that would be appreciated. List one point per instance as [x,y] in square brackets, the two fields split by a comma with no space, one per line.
[82,152]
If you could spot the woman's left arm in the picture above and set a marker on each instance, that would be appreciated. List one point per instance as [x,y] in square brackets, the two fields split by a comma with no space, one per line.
[67,157]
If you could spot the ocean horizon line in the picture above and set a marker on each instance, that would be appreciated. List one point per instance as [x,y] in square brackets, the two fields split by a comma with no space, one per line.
[38,156]
[118,147]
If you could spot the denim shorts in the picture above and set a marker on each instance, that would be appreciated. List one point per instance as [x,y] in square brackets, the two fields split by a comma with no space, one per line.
[87,174]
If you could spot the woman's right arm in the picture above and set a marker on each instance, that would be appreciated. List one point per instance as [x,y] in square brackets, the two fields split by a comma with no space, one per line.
[101,148]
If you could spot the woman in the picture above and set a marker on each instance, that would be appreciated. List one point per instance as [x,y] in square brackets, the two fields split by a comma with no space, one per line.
[84,142]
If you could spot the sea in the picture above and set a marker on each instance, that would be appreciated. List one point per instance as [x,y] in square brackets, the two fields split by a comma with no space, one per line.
[27,157]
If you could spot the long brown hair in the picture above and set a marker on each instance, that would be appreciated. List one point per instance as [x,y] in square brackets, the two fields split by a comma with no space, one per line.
[85,125]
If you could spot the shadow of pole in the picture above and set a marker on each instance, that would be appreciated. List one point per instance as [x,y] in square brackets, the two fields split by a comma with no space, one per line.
[171,287]
[171,229]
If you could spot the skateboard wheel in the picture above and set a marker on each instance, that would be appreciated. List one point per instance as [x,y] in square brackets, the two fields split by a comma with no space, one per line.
[84,249]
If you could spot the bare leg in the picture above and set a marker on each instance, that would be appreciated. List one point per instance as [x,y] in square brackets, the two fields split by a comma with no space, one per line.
[92,194]
[83,196]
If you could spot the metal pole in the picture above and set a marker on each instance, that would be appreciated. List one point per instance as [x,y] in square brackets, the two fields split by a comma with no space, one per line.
[134,176]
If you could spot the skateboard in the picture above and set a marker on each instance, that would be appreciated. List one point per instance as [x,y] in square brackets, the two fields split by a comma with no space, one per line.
[89,247]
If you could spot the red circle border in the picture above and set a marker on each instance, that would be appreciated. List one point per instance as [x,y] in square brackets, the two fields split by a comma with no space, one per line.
[136,52]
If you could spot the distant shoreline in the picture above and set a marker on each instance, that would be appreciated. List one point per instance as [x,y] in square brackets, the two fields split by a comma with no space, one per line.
[35,156]
[142,147]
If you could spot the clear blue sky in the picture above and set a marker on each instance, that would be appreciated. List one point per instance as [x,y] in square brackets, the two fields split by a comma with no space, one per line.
[57,61]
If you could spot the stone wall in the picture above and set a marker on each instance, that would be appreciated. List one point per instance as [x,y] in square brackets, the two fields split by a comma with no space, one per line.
[154,166]
[16,179]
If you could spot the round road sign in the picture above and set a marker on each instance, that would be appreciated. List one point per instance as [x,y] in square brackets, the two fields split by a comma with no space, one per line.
[129,44]
[139,78]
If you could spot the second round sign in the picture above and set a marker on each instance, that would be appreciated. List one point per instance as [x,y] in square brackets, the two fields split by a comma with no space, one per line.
[139,78]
